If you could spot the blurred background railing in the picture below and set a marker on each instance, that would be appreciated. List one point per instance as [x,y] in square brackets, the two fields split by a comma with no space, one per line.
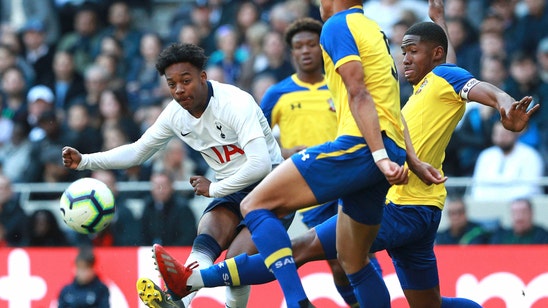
[489,212]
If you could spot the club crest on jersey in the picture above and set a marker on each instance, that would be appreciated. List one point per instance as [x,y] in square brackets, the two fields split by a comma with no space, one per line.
[331,104]
[220,128]
[423,84]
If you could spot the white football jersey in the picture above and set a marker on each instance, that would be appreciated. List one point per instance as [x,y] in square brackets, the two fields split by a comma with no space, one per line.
[231,120]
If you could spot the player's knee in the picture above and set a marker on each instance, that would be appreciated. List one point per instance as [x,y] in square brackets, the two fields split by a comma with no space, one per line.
[246,205]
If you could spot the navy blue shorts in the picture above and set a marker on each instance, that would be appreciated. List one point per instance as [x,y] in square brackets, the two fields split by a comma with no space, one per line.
[344,169]
[318,214]
[407,233]
[232,202]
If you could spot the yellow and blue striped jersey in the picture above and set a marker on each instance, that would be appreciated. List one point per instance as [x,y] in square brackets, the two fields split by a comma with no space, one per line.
[432,113]
[304,112]
[350,36]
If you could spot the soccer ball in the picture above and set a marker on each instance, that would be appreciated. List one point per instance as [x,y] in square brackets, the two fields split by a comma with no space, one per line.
[87,206]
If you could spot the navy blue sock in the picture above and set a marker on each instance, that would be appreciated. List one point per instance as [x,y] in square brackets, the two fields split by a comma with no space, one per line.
[240,270]
[274,245]
[458,302]
[347,293]
[206,244]
[369,288]
[376,265]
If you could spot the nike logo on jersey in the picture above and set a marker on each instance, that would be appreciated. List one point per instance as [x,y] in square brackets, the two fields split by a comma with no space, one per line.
[183,134]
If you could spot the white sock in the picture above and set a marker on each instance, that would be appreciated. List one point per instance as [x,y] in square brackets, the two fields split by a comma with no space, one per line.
[195,280]
[237,297]
[204,261]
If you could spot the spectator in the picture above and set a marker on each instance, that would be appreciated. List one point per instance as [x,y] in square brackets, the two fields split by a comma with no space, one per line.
[114,111]
[507,170]
[12,217]
[144,85]
[470,138]
[115,137]
[542,59]
[524,78]
[167,218]
[188,33]
[461,230]
[260,84]
[45,163]
[278,64]
[464,40]
[228,55]
[87,289]
[15,154]
[44,230]
[82,40]
[256,59]
[11,58]
[493,70]
[533,26]
[96,80]
[78,123]
[246,16]
[174,159]
[523,230]
[114,67]
[506,10]
[387,12]
[471,10]
[15,15]
[40,99]
[120,26]
[196,13]
[38,53]
[280,17]
[67,84]
[13,89]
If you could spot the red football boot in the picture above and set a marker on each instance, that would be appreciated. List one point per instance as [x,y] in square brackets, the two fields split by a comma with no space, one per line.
[174,274]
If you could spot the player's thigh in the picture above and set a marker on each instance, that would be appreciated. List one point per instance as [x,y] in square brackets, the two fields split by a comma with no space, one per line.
[283,191]
[353,242]
[220,223]
[242,243]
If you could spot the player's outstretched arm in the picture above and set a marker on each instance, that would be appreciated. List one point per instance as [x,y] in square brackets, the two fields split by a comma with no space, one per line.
[71,157]
[514,115]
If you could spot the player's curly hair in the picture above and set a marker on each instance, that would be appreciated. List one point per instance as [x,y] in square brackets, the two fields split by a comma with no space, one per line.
[181,52]
[299,25]
[429,32]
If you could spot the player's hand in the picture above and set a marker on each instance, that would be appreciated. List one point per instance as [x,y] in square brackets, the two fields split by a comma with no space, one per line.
[201,185]
[394,173]
[71,157]
[428,174]
[517,116]
[436,11]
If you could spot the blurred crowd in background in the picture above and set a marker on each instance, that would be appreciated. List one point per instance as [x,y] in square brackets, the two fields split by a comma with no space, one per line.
[82,74]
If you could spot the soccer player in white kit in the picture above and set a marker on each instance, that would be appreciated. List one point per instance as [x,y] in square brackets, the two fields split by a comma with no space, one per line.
[228,128]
